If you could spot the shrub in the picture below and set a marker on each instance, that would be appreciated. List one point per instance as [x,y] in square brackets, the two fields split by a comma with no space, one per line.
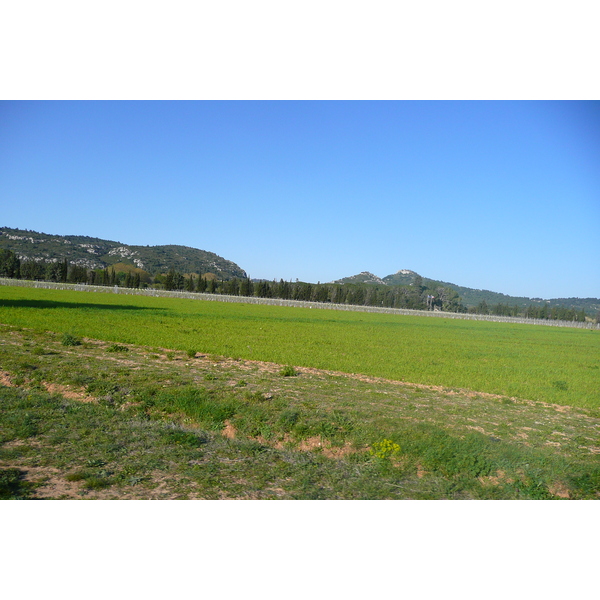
[70,340]
[191,353]
[288,371]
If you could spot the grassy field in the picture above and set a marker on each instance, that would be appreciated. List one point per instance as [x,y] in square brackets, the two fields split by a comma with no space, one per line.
[556,365]
[93,419]
[112,396]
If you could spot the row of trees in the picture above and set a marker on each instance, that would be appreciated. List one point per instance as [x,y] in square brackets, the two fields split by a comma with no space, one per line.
[555,313]
[415,296]
[63,272]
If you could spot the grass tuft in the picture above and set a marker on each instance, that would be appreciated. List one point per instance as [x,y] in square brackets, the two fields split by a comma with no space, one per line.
[288,371]
[70,340]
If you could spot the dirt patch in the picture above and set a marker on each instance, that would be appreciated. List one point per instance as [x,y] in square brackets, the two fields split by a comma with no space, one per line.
[52,483]
[229,431]
[318,443]
[499,478]
[339,451]
[477,428]
[69,393]
[315,443]
[127,405]
[27,442]
[5,379]
[559,489]
[311,443]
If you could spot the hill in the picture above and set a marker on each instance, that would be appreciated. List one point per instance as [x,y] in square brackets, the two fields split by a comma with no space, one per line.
[96,253]
[364,277]
[471,297]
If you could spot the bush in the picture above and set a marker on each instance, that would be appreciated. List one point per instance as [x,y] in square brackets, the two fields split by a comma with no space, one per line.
[288,371]
[70,340]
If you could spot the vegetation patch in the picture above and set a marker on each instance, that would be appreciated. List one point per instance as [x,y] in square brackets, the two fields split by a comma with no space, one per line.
[288,371]
[117,348]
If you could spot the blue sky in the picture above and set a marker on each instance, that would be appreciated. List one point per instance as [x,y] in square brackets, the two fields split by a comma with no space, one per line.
[499,195]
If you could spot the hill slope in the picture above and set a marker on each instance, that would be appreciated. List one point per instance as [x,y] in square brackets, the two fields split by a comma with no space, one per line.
[472,297]
[96,253]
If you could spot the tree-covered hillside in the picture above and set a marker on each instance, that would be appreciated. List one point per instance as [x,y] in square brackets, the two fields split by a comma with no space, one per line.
[485,301]
[96,253]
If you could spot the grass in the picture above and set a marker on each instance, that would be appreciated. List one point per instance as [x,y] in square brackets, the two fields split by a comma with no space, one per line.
[556,365]
[78,421]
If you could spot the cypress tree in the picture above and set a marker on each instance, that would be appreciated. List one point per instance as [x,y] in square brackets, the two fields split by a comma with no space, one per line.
[64,271]
[10,265]
[170,280]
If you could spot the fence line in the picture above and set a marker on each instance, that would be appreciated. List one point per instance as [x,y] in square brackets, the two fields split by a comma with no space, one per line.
[81,287]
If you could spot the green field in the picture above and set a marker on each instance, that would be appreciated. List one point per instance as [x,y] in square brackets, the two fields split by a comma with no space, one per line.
[110,396]
[555,365]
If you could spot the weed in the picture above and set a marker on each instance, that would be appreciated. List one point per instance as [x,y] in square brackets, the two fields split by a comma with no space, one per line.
[385,449]
[288,419]
[97,482]
[102,388]
[185,438]
[77,476]
[191,353]
[254,396]
[288,371]
[70,340]
[117,348]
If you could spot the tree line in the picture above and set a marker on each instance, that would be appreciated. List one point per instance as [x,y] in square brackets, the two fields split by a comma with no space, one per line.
[63,272]
[417,296]
[554,313]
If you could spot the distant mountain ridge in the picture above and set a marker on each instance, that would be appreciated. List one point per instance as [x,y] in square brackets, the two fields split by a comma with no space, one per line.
[97,253]
[472,297]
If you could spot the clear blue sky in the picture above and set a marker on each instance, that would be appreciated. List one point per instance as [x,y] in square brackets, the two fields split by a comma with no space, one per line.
[501,195]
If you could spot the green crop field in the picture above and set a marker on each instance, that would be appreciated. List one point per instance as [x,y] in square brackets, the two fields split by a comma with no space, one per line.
[113,396]
[555,365]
